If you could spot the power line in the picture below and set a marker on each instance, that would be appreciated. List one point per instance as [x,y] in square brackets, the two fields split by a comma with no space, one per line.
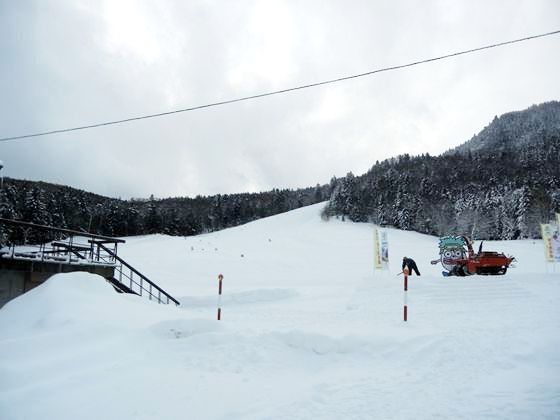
[277,92]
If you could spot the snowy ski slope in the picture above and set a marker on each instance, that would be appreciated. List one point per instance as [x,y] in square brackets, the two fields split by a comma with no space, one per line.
[307,332]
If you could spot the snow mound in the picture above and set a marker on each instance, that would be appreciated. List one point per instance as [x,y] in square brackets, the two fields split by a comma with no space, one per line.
[74,300]
[62,299]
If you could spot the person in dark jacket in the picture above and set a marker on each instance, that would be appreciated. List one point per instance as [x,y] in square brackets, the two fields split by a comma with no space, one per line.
[409,262]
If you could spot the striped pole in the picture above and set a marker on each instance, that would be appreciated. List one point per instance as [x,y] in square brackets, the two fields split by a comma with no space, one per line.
[405,309]
[220,278]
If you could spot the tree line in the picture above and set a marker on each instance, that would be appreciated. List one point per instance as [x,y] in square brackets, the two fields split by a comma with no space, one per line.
[70,208]
[487,195]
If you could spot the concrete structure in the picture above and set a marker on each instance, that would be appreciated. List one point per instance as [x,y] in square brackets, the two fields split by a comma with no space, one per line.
[18,276]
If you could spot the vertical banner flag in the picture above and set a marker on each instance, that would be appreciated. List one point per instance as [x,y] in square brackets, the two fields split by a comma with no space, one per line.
[384,250]
[546,232]
[376,250]
[555,241]
[381,249]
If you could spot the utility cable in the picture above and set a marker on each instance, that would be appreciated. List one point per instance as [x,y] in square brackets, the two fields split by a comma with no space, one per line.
[277,92]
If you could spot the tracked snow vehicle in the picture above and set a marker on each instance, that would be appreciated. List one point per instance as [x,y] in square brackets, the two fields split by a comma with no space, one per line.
[459,259]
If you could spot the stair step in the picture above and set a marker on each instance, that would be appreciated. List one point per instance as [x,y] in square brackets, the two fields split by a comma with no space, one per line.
[120,287]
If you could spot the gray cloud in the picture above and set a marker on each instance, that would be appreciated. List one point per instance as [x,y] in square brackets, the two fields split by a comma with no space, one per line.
[68,64]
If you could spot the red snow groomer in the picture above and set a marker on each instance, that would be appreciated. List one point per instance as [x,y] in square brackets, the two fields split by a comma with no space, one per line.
[459,259]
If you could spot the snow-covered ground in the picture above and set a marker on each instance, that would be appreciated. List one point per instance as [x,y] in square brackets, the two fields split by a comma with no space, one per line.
[308,331]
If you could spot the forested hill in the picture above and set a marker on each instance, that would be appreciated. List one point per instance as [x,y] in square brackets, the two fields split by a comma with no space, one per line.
[66,207]
[516,129]
[499,185]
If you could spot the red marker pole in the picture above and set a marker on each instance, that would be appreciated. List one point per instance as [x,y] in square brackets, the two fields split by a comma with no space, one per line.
[220,278]
[405,272]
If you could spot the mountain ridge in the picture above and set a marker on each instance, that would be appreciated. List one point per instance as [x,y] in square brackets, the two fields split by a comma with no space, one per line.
[514,129]
[500,184]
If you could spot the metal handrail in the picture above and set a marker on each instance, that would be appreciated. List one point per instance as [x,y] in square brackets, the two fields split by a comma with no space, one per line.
[140,286]
[142,277]
[55,251]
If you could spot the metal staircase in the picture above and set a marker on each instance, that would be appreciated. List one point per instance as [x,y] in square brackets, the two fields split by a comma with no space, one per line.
[129,280]
[78,251]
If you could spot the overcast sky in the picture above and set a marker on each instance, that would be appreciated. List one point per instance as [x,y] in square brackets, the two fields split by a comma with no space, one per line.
[70,63]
